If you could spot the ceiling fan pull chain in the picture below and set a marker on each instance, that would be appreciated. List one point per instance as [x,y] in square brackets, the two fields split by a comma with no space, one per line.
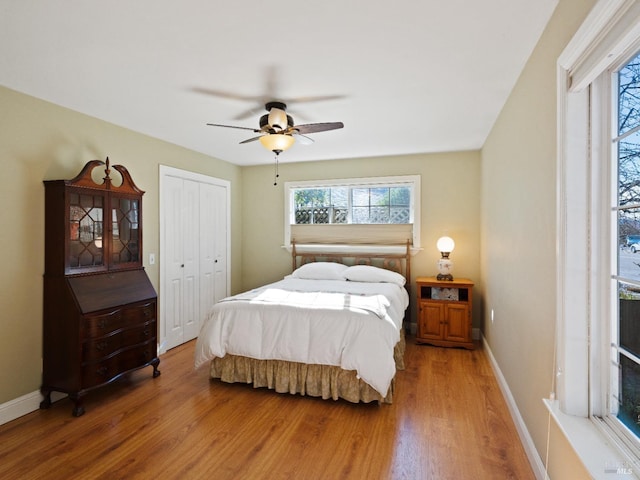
[275,181]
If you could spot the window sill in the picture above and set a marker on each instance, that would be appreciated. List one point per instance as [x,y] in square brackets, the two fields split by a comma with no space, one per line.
[351,248]
[599,454]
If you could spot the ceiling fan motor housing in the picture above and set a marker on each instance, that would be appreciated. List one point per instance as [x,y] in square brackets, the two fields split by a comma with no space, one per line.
[279,105]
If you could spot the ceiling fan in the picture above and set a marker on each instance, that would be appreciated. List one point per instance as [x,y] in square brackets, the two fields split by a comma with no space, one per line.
[278,131]
[270,93]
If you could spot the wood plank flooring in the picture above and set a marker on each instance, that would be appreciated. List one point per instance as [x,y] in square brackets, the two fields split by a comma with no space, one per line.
[448,421]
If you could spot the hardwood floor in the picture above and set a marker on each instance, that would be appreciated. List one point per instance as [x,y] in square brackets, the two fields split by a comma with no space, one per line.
[448,421]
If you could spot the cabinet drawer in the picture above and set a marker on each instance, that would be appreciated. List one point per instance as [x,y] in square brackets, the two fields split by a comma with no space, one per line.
[97,348]
[97,373]
[139,313]
[99,325]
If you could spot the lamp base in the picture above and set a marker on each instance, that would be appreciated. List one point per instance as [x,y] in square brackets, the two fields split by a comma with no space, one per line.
[445,266]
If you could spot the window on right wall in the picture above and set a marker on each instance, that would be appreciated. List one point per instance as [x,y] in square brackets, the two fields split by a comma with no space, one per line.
[624,391]
[597,374]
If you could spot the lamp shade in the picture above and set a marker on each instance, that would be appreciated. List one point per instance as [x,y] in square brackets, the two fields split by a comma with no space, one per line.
[446,244]
[277,142]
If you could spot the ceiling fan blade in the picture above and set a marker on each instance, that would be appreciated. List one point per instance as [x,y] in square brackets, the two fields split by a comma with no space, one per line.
[250,112]
[318,98]
[302,139]
[233,126]
[252,139]
[226,94]
[318,127]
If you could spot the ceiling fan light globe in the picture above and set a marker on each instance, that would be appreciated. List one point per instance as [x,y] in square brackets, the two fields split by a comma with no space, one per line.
[278,118]
[277,142]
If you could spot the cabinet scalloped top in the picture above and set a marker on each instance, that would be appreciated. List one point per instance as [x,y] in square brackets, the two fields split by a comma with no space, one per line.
[85,178]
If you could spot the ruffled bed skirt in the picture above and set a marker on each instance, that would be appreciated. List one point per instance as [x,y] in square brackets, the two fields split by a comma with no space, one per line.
[298,378]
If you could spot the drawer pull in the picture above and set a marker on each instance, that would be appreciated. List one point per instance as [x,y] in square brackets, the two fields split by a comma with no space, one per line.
[102,371]
[102,345]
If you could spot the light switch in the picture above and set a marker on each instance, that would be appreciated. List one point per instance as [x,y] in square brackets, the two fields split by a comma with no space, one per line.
[152,258]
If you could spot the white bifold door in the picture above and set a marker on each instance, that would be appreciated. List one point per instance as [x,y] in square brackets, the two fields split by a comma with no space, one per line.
[194,251]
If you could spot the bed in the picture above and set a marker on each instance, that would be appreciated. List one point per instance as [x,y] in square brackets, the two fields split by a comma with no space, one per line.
[333,328]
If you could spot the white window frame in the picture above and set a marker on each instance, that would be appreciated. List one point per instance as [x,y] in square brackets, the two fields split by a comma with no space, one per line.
[584,302]
[369,182]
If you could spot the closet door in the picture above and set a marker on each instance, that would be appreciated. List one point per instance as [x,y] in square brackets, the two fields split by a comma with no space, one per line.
[181,295]
[193,252]
[208,254]
[190,223]
[220,235]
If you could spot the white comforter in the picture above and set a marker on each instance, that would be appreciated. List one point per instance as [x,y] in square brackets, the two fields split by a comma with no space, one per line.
[353,325]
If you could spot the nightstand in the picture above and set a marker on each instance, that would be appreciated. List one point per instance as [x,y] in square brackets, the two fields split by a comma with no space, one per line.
[444,312]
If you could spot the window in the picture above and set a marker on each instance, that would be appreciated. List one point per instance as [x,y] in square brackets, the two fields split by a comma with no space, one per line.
[349,204]
[624,395]
[354,211]
[598,214]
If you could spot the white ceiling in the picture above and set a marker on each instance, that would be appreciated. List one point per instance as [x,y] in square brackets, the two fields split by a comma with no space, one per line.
[409,76]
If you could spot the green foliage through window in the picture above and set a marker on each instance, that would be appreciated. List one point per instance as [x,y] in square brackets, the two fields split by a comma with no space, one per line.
[347,204]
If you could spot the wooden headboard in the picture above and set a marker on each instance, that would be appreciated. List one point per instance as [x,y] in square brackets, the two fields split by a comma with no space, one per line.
[397,262]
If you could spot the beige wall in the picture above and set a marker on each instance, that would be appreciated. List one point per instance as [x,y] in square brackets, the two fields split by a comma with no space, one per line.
[519,233]
[40,141]
[450,205]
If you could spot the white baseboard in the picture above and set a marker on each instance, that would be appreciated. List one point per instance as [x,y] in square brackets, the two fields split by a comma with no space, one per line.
[20,406]
[530,449]
[28,403]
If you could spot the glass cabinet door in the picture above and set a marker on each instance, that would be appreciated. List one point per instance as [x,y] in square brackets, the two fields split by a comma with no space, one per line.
[86,226]
[125,240]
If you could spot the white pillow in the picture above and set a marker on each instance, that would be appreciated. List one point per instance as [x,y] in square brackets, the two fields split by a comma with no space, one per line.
[367,273]
[320,271]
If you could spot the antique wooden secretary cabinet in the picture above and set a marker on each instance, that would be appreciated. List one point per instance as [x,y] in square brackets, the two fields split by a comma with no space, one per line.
[99,318]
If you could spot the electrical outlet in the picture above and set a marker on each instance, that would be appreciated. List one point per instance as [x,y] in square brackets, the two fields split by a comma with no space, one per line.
[152,258]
